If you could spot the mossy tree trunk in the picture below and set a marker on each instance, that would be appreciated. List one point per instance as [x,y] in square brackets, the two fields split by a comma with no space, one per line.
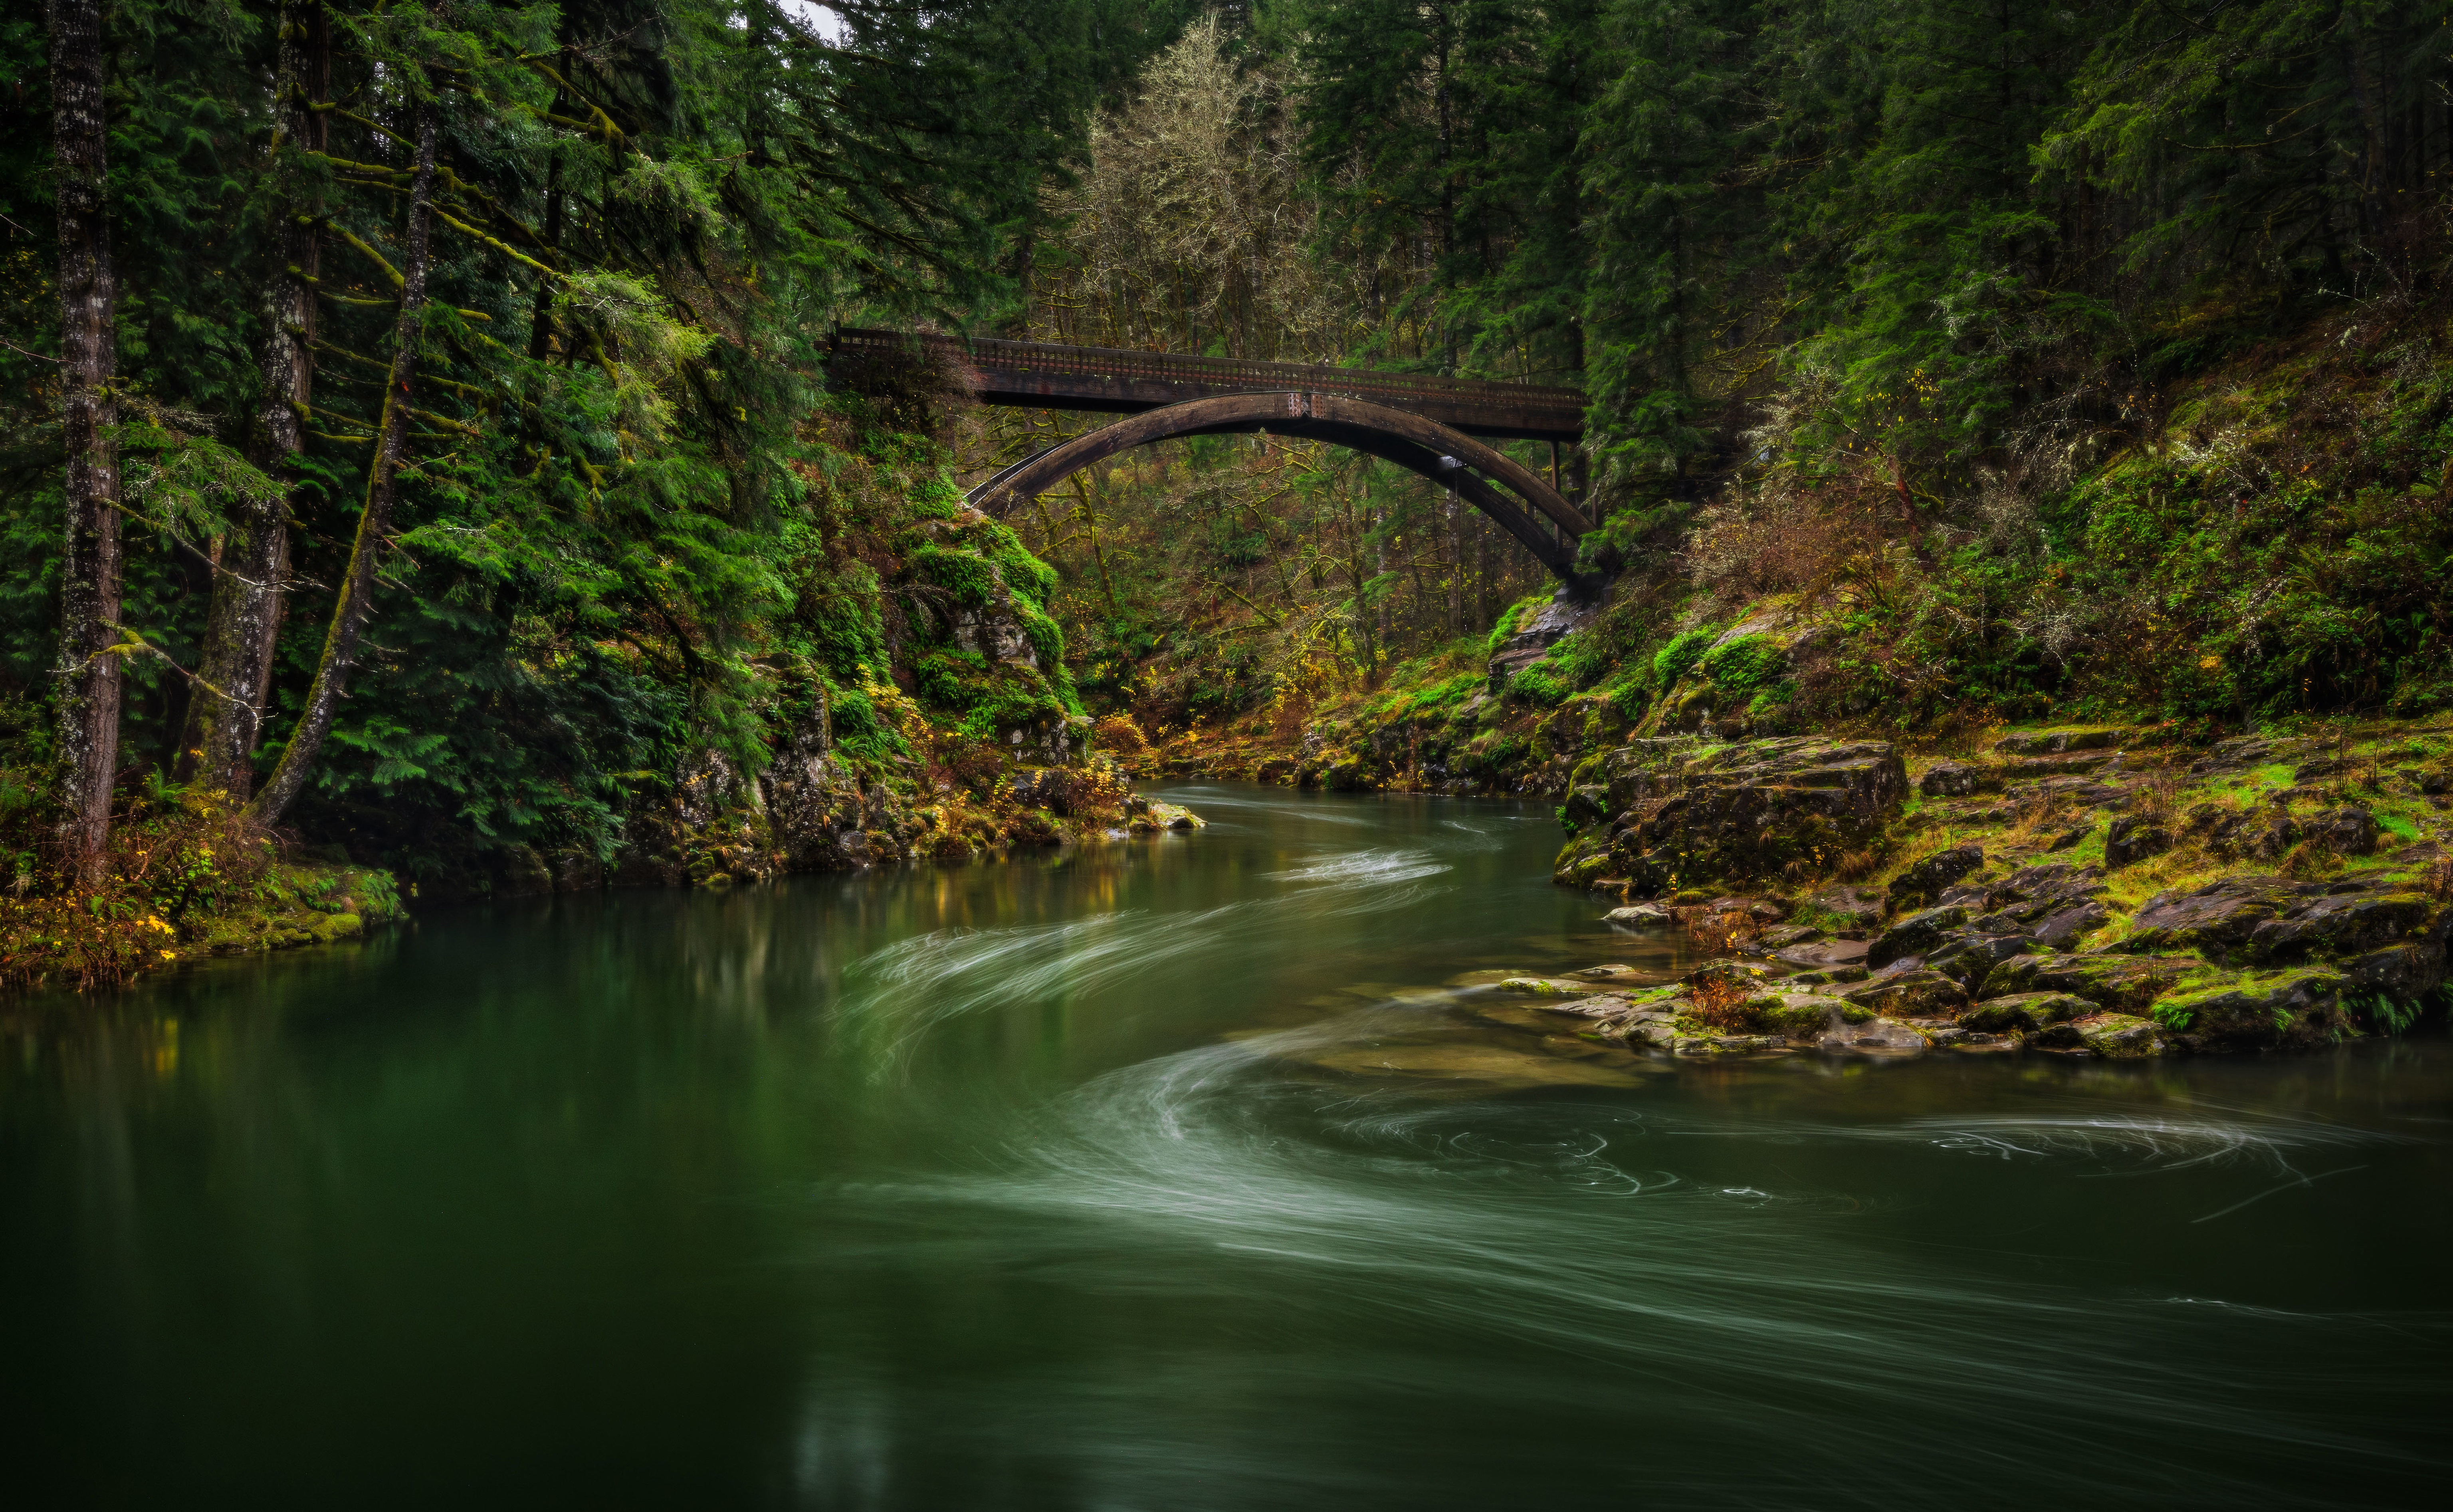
[88,672]
[374,521]
[234,670]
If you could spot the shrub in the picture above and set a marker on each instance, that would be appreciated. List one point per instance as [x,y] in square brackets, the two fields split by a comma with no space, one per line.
[1118,734]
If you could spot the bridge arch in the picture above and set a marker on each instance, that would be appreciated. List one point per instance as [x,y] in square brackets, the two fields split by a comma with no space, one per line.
[1510,493]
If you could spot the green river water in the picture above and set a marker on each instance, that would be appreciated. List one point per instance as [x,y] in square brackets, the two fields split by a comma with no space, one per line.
[1173,1174]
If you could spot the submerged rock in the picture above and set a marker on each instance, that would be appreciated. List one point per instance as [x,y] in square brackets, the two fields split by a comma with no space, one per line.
[1608,1007]
[1876,1037]
[1545,986]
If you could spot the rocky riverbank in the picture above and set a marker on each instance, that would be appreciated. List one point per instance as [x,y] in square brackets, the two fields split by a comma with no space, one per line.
[2070,890]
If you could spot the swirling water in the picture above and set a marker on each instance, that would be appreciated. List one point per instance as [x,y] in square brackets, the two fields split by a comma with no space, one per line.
[1191,1173]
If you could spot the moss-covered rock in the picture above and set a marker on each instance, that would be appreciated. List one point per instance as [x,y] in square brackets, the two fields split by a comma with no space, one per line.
[2115,982]
[2119,1036]
[1908,994]
[2024,1011]
[1749,812]
[2297,1007]
[1915,935]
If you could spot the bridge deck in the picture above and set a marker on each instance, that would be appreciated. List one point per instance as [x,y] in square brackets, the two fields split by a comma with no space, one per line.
[1042,375]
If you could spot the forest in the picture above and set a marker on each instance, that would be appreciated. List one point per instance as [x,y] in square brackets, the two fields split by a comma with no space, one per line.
[419,454]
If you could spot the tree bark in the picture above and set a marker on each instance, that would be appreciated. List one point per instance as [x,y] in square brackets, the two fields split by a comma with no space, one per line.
[89,674]
[374,521]
[234,670]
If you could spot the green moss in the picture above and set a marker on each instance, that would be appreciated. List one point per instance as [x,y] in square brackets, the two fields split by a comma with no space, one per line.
[968,577]
[1672,660]
[936,498]
[1538,684]
[1505,630]
[1746,663]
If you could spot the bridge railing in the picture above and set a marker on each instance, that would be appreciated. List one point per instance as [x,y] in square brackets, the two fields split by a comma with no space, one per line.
[992,354]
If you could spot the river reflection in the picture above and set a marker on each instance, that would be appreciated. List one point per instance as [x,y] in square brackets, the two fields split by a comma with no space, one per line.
[1188,1173]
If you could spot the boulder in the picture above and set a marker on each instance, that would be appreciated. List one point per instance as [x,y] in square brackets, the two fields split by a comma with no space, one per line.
[2024,1012]
[1852,907]
[1923,880]
[2119,1036]
[2072,838]
[1751,810]
[1730,974]
[1638,916]
[1975,896]
[2063,929]
[1969,959]
[2052,904]
[1587,805]
[1950,779]
[1160,818]
[2297,1008]
[2349,830]
[2216,918]
[2251,835]
[1632,772]
[2134,838]
[1781,937]
[1824,953]
[2341,925]
[1915,935]
[2116,981]
[1917,994]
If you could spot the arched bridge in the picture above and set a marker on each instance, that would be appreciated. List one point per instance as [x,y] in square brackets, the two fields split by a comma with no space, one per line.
[1427,425]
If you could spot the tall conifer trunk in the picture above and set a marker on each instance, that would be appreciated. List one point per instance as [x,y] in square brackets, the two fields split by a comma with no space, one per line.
[374,521]
[226,714]
[89,674]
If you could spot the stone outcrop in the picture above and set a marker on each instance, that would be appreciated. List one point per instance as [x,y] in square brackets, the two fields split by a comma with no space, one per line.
[1534,637]
[1689,814]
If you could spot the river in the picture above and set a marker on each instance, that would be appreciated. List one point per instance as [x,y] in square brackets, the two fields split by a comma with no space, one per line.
[1184,1173]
